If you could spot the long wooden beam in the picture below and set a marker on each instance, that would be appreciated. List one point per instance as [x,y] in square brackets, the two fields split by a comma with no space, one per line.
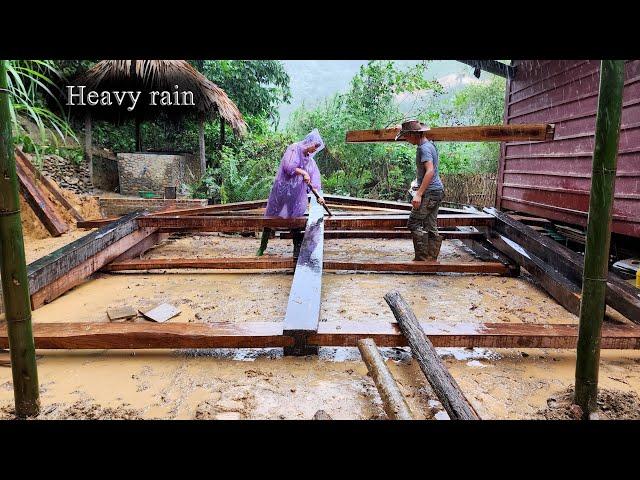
[244,223]
[478,133]
[40,203]
[148,335]
[565,292]
[303,308]
[49,185]
[82,271]
[222,207]
[276,263]
[620,295]
[58,263]
[387,234]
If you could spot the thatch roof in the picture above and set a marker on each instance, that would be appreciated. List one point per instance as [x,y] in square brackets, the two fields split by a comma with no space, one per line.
[160,75]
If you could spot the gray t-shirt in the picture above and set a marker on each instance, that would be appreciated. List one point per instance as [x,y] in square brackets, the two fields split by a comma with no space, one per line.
[425,152]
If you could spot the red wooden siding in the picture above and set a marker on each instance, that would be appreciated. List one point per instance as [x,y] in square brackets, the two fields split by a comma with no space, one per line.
[552,179]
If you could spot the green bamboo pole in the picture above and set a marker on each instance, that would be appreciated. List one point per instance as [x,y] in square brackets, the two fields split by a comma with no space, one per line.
[596,258]
[13,267]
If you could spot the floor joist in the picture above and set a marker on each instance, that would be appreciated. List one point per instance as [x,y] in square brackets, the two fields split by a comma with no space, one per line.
[147,335]
[244,223]
[387,234]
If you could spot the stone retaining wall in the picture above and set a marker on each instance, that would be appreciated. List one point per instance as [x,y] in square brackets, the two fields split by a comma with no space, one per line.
[144,171]
[116,207]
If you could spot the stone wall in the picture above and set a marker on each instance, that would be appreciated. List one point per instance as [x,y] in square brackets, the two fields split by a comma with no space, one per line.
[115,207]
[105,173]
[143,171]
[66,173]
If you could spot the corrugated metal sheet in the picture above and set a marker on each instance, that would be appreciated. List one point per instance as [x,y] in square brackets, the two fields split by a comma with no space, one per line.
[552,179]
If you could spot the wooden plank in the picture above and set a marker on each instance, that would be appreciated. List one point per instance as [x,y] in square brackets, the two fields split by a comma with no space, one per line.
[142,247]
[223,207]
[442,382]
[303,308]
[56,264]
[271,263]
[565,292]
[40,203]
[620,295]
[147,335]
[95,222]
[386,234]
[78,274]
[245,223]
[393,402]
[366,202]
[48,184]
[486,252]
[477,133]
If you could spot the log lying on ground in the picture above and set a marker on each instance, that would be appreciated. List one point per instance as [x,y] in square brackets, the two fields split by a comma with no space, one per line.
[476,133]
[443,384]
[393,402]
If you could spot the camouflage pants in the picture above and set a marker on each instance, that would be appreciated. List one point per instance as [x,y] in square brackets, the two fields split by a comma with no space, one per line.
[425,217]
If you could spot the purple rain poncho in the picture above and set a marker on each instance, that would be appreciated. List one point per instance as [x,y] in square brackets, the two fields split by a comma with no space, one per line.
[288,197]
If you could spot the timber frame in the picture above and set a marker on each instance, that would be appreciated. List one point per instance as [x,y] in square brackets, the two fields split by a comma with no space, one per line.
[502,243]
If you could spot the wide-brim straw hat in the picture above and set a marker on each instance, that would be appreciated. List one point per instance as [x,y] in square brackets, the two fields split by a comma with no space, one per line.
[411,126]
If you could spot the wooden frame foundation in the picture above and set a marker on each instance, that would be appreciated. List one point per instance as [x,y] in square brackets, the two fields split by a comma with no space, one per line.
[118,245]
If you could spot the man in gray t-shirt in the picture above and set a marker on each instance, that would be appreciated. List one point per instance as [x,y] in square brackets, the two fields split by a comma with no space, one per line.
[427,196]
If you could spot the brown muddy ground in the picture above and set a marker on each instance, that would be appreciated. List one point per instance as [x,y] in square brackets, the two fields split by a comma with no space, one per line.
[261,384]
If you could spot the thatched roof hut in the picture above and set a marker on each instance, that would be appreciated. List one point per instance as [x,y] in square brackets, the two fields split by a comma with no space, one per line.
[146,76]
[160,75]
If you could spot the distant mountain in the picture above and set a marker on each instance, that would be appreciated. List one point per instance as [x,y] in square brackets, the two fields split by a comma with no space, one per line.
[315,80]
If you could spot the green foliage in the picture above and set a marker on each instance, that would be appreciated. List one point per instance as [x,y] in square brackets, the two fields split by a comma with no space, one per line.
[31,83]
[383,170]
[245,171]
[257,87]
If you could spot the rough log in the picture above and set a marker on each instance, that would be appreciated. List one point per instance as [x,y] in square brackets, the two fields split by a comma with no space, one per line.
[444,385]
[147,335]
[478,133]
[393,402]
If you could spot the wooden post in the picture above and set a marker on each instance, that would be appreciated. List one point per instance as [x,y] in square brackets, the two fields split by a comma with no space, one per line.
[88,145]
[596,259]
[138,135]
[443,384]
[203,158]
[221,132]
[13,268]
[393,402]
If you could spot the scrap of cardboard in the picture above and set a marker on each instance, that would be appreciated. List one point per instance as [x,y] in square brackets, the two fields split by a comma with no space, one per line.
[121,312]
[161,313]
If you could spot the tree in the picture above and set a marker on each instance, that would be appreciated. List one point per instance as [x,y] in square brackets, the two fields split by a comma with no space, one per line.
[384,170]
[257,87]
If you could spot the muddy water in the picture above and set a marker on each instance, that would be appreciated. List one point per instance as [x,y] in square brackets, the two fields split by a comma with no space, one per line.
[261,384]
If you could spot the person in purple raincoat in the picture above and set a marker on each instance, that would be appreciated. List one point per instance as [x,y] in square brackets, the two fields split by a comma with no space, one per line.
[288,198]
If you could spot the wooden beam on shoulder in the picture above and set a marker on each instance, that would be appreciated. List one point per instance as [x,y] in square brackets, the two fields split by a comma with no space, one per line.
[477,133]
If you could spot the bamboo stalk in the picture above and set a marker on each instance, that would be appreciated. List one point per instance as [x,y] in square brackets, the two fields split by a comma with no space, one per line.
[393,402]
[13,267]
[596,259]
